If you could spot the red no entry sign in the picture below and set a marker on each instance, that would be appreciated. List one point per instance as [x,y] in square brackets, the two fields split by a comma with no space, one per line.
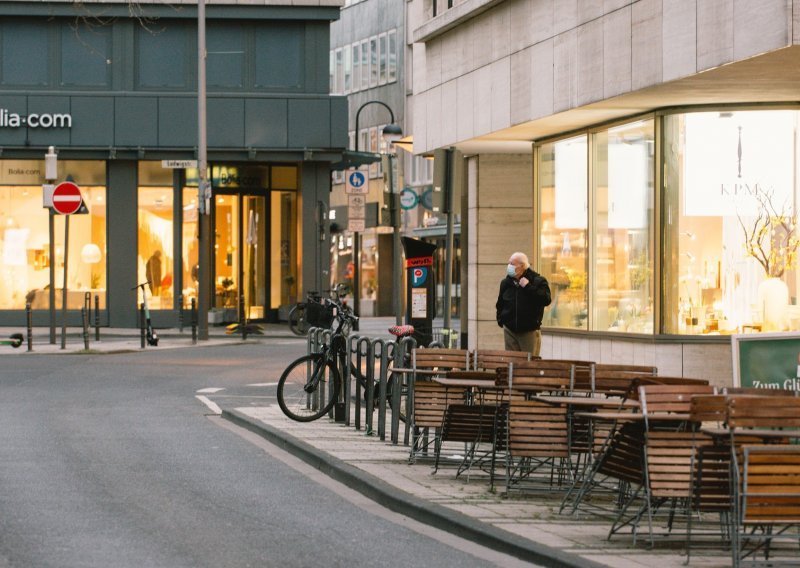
[67,198]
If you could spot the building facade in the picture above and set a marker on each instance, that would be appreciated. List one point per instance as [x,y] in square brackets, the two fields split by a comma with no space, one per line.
[643,152]
[370,63]
[113,88]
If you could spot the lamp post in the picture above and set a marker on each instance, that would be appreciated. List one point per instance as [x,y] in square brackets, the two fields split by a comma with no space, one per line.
[391,133]
[205,239]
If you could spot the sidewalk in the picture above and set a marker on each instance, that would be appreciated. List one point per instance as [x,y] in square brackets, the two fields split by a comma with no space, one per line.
[116,340]
[527,526]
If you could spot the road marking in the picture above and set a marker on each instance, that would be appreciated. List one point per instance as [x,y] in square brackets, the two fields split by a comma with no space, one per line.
[262,385]
[210,390]
[210,404]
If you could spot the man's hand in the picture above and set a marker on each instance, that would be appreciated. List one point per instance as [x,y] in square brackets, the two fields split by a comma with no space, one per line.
[523,281]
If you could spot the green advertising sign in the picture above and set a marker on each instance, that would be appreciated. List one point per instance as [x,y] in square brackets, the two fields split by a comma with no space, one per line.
[766,360]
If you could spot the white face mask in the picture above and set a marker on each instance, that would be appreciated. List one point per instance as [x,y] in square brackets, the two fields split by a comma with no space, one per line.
[511,270]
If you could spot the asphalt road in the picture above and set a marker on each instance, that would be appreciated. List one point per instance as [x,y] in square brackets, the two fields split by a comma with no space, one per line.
[112,461]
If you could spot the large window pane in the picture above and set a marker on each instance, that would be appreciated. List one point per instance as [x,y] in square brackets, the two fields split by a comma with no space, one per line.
[730,214]
[155,238]
[284,273]
[279,56]
[162,56]
[25,53]
[85,55]
[622,278]
[189,246]
[25,241]
[225,62]
[563,193]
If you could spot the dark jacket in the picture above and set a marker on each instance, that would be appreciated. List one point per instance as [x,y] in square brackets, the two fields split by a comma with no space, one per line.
[521,309]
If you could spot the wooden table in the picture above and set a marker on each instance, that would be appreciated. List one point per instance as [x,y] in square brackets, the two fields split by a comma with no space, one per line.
[589,401]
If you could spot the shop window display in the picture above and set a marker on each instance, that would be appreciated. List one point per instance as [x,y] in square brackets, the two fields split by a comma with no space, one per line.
[563,176]
[730,222]
[155,234]
[621,273]
[25,242]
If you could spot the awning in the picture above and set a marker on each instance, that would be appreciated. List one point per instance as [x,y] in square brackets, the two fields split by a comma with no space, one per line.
[353,159]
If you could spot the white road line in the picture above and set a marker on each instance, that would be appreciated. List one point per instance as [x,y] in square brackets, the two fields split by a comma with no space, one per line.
[262,385]
[210,390]
[210,404]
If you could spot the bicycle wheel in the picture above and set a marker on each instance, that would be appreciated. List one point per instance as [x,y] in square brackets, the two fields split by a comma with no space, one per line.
[297,320]
[308,388]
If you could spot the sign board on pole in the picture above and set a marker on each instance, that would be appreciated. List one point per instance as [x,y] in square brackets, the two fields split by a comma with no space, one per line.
[356,225]
[178,164]
[67,198]
[766,360]
[356,183]
[356,207]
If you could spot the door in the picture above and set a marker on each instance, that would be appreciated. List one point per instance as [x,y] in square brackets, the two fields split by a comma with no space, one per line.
[239,255]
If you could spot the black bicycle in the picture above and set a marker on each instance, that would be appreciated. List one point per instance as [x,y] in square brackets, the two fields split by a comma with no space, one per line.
[310,386]
[298,318]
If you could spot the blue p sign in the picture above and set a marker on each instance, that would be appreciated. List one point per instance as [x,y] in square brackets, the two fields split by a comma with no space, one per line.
[418,276]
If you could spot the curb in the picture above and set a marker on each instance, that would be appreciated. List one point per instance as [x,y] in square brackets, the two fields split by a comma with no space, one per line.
[418,509]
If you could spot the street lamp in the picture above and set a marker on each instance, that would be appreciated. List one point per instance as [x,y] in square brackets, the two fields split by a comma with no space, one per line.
[391,133]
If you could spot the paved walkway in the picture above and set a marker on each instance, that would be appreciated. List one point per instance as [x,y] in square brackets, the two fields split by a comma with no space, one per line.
[525,525]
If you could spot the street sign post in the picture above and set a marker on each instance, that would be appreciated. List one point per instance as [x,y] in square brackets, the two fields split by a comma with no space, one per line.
[67,198]
[356,183]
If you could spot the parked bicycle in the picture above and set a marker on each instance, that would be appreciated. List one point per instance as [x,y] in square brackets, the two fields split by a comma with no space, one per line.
[298,318]
[311,385]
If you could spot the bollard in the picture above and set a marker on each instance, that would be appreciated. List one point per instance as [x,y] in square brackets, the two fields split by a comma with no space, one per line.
[379,352]
[194,321]
[347,375]
[87,303]
[242,319]
[29,320]
[141,324]
[85,322]
[96,317]
[180,313]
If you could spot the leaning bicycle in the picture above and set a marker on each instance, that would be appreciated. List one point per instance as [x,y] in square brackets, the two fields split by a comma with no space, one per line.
[310,385]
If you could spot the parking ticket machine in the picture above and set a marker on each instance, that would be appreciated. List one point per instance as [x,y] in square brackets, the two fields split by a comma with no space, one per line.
[420,289]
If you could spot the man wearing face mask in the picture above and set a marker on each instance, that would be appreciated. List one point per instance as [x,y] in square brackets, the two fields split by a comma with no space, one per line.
[520,305]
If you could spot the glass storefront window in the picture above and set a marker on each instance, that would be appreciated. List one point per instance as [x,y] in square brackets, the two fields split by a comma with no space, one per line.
[285,283]
[155,234]
[25,241]
[563,176]
[730,239]
[189,247]
[622,270]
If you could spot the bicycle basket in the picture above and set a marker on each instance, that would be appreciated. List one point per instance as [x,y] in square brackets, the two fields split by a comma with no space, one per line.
[319,315]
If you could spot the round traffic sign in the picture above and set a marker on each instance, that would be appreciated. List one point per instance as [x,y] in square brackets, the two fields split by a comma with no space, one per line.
[67,198]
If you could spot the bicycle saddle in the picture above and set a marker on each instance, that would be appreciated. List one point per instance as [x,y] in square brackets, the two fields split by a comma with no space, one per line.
[401,330]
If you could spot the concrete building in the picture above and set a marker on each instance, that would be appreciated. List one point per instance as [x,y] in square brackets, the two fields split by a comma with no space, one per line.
[639,149]
[113,87]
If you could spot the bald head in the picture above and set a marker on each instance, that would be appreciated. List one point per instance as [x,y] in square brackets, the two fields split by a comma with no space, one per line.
[521,259]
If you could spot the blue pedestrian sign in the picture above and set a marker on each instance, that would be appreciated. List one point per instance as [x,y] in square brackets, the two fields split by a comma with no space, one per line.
[356,183]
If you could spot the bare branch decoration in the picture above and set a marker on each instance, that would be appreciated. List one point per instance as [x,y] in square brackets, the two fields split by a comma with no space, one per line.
[770,236]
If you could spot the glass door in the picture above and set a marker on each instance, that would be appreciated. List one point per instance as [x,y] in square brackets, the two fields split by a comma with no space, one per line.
[253,222]
[240,255]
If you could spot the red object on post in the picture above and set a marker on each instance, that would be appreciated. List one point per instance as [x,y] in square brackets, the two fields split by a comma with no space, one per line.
[67,198]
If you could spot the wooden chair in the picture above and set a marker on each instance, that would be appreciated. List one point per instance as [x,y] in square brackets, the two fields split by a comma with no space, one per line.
[770,505]
[483,418]
[428,399]
[537,432]
[666,451]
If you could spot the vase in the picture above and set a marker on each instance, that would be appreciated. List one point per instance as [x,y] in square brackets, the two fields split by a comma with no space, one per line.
[773,298]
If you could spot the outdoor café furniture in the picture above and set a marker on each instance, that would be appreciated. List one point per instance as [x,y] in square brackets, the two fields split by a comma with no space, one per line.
[428,398]
[538,449]
[481,418]
[643,454]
